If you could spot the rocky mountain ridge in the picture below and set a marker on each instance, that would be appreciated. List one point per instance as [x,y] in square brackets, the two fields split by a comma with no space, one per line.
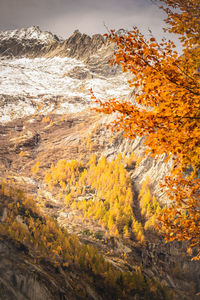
[30,33]
[33,42]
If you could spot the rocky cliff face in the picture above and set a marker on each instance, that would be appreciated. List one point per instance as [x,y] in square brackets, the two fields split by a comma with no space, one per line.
[32,42]
[25,42]
[23,278]
[44,76]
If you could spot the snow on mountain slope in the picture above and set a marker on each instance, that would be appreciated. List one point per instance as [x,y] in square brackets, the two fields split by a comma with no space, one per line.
[30,33]
[38,67]
[40,79]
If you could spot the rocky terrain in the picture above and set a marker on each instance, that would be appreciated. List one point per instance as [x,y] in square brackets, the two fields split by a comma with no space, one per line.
[45,114]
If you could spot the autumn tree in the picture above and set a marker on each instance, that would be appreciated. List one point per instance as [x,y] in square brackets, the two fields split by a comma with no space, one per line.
[165,108]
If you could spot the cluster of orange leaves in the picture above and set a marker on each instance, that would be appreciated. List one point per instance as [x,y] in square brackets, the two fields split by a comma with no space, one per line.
[165,108]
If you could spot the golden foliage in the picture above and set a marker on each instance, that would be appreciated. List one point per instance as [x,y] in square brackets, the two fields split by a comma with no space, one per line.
[109,186]
[22,153]
[150,207]
[43,238]
[35,168]
[166,110]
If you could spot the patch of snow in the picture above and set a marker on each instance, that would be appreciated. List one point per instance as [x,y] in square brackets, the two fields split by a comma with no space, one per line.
[69,108]
[29,33]
[18,111]
[45,81]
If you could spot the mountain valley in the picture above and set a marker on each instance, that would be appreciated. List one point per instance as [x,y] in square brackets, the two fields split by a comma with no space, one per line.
[58,150]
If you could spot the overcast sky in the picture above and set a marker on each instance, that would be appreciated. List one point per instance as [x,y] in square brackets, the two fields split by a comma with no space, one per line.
[62,17]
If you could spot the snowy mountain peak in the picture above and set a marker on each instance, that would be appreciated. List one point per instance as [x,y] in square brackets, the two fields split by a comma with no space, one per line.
[30,33]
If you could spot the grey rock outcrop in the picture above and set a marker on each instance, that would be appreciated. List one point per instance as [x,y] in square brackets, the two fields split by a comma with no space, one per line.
[25,42]
[82,46]
[33,42]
